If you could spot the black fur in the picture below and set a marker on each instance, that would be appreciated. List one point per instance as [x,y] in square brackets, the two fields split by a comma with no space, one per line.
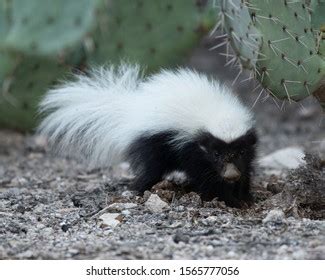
[202,159]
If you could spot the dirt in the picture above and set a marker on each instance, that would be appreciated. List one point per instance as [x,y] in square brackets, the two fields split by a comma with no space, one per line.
[51,207]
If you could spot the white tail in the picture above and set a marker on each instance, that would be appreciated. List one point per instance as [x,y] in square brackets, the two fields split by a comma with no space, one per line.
[86,114]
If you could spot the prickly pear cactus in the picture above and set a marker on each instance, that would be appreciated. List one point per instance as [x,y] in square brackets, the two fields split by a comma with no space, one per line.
[29,75]
[46,27]
[318,23]
[243,36]
[4,23]
[291,67]
[152,33]
[287,60]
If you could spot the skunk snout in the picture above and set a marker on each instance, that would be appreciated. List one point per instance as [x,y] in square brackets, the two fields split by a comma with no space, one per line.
[230,173]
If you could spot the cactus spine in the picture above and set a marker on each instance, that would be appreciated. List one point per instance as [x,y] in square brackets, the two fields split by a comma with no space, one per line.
[278,42]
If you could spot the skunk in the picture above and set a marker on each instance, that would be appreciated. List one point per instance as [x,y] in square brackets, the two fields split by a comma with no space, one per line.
[175,120]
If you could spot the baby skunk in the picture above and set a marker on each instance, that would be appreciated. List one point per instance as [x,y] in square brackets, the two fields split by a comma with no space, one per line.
[171,121]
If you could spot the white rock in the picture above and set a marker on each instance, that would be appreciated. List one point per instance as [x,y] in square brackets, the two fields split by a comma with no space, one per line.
[232,255]
[127,194]
[282,160]
[126,212]
[275,215]
[155,204]
[211,220]
[121,206]
[109,220]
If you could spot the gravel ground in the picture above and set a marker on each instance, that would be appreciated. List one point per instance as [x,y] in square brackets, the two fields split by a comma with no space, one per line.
[56,208]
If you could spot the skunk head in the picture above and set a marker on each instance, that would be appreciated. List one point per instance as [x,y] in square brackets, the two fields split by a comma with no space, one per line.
[231,160]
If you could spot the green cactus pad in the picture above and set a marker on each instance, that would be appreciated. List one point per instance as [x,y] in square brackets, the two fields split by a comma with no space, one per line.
[289,63]
[318,23]
[7,65]
[45,27]
[243,36]
[152,33]
[22,88]
[4,20]
[290,66]
[318,14]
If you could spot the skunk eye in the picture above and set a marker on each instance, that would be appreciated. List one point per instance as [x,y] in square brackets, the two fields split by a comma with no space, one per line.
[242,152]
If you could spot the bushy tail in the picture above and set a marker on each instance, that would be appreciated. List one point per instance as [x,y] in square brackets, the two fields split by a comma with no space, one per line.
[84,116]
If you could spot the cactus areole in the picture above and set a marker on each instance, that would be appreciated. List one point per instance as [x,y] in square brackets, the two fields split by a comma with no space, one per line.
[282,44]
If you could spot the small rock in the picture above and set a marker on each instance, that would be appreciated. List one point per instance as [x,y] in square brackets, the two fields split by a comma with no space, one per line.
[282,160]
[275,215]
[126,212]
[65,227]
[145,196]
[110,220]
[73,251]
[211,220]
[121,206]
[165,190]
[232,255]
[127,194]
[179,208]
[155,204]
[181,237]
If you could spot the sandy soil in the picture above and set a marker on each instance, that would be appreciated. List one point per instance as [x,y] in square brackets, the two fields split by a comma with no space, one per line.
[51,207]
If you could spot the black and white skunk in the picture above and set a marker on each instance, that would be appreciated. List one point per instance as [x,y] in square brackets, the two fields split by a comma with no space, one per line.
[171,121]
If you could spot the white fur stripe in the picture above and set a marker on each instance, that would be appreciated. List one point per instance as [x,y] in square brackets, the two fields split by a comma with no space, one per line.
[99,116]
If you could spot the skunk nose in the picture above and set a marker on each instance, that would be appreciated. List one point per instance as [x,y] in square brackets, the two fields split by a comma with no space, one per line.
[231,173]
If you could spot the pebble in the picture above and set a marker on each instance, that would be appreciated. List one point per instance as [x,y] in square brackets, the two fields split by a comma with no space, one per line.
[155,204]
[282,160]
[121,206]
[232,255]
[126,212]
[179,208]
[275,215]
[181,237]
[109,220]
[211,220]
[127,194]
